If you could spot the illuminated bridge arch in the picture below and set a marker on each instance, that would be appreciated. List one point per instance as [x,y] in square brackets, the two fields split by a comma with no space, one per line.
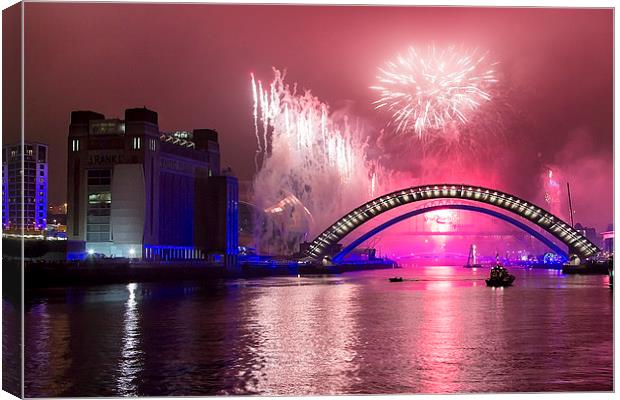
[545,220]
[347,249]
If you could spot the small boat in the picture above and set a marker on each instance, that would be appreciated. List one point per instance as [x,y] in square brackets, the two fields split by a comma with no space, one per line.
[396,279]
[500,277]
[471,258]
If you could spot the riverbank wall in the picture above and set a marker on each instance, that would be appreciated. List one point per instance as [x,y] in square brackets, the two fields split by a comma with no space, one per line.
[101,272]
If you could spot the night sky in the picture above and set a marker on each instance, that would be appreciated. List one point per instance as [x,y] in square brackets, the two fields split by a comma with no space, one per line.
[191,64]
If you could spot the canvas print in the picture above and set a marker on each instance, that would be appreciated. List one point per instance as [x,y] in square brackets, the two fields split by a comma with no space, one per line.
[305,200]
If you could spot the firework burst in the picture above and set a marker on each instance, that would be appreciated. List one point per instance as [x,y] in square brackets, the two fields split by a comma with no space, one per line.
[300,125]
[432,90]
[307,152]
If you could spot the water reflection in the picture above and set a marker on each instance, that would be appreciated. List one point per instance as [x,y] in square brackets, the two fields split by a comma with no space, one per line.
[441,341]
[47,349]
[304,340]
[440,331]
[11,345]
[130,362]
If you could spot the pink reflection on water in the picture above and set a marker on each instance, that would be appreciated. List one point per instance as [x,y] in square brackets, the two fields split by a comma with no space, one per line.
[440,335]
[436,277]
[305,340]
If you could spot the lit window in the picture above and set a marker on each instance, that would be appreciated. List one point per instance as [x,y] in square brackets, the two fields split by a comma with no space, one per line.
[137,142]
[75,145]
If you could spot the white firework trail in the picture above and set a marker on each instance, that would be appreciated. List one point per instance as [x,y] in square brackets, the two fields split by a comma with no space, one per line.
[427,91]
[308,153]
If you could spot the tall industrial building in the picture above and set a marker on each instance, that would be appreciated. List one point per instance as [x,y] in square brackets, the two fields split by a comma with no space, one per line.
[136,192]
[33,200]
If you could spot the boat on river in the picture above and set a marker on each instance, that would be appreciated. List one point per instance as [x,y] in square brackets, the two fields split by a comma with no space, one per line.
[499,277]
[396,279]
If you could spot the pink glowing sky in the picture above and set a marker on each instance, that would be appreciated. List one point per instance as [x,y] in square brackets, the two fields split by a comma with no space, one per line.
[191,64]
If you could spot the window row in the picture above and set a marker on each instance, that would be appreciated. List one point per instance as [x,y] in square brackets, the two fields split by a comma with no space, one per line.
[99,177]
[98,236]
[97,228]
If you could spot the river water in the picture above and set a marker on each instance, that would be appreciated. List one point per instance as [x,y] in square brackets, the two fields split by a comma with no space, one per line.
[441,331]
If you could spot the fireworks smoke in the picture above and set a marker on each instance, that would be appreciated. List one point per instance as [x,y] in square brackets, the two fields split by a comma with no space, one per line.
[432,90]
[552,191]
[311,164]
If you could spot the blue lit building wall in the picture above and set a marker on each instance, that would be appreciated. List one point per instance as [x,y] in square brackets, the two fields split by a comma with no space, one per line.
[5,191]
[33,200]
[176,210]
[223,215]
[232,216]
[41,195]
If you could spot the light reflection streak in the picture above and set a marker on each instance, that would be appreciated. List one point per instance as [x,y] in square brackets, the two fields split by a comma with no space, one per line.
[306,340]
[130,364]
[442,337]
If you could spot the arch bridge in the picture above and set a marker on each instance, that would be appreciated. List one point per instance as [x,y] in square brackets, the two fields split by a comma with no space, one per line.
[575,241]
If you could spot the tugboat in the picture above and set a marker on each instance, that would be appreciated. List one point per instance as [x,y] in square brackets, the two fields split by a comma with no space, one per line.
[499,276]
[472,258]
[396,279]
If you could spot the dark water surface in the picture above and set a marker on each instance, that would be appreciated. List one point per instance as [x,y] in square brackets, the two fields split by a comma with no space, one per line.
[355,333]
